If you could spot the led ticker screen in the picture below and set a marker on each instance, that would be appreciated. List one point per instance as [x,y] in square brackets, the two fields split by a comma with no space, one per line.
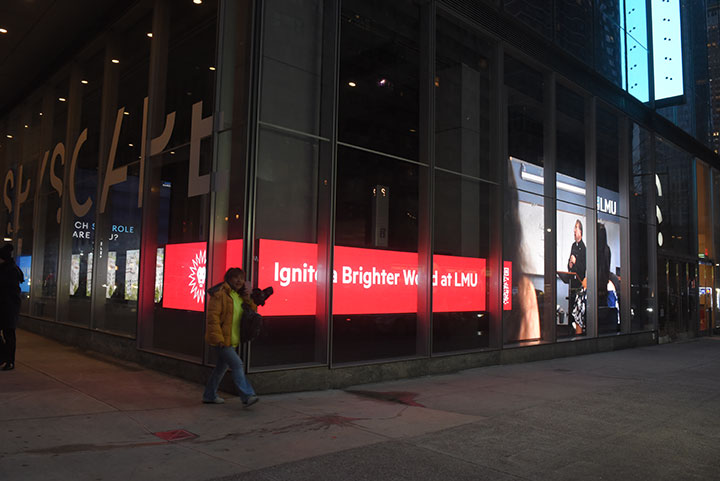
[366,281]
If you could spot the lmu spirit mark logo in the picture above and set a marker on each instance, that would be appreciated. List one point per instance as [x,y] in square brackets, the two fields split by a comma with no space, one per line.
[197,276]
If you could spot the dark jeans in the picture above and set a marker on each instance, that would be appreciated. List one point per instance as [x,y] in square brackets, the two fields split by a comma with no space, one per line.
[7,348]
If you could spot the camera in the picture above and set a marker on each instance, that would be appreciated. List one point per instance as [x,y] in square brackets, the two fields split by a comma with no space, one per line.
[252,322]
[260,296]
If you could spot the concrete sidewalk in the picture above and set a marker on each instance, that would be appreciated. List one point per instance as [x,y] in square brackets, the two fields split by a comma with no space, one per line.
[646,413]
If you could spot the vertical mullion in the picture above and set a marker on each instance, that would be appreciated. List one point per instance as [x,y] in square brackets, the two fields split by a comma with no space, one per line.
[327,183]
[624,126]
[550,200]
[427,184]
[498,173]
[591,273]
[157,81]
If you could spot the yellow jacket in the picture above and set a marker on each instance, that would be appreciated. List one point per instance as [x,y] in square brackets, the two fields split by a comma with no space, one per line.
[218,320]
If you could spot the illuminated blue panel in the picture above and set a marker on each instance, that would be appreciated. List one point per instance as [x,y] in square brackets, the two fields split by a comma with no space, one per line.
[667,49]
[23,262]
[636,49]
[638,70]
[623,56]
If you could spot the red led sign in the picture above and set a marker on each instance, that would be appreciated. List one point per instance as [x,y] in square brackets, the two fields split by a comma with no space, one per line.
[185,272]
[365,281]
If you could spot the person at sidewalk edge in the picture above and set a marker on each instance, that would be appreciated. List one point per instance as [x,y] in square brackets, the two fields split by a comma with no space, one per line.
[222,333]
[10,279]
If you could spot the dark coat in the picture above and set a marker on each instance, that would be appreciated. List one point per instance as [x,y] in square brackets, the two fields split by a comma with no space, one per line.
[10,279]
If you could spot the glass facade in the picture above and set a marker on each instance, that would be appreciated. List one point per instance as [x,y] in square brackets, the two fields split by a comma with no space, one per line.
[410,185]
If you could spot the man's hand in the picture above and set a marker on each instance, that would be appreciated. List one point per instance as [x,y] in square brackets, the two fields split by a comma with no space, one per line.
[572,260]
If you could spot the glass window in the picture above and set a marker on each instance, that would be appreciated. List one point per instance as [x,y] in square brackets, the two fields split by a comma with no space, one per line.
[190,64]
[534,13]
[462,232]
[642,216]
[375,295]
[116,304]
[608,161]
[704,216]
[379,76]
[609,268]
[675,202]
[570,146]
[292,64]
[461,275]
[462,101]
[574,28]
[49,208]
[609,273]
[84,188]
[609,41]
[23,224]
[523,279]
[572,270]
[178,239]
[181,254]
[287,250]
[525,126]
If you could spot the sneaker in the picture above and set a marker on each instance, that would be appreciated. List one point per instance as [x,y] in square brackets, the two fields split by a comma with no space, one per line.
[250,401]
[217,400]
[8,366]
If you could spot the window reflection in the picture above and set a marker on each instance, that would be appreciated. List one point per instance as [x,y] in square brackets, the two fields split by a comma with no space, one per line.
[379,76]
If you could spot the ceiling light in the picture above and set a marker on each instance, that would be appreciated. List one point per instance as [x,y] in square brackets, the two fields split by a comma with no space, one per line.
[212,68]
[27,126]
[9,136]
[84,82]
[40,114]
[126,113]
[7,239]
[131,145]
[352,84]
[149,34]
[115,60]
[3,30]
[172,152]
[61,99]
[197,2]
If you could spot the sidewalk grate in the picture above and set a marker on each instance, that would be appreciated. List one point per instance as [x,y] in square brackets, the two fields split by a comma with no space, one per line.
[175,435]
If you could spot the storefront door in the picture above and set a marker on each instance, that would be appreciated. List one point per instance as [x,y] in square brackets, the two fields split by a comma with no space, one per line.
[677,289]
[705,296]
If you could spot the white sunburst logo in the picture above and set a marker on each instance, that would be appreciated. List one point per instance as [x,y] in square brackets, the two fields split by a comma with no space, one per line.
[197,276]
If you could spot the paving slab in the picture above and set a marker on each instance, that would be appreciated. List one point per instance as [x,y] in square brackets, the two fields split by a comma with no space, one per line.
[647,413]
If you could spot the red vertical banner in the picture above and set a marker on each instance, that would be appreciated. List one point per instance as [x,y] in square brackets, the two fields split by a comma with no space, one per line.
[507,286]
